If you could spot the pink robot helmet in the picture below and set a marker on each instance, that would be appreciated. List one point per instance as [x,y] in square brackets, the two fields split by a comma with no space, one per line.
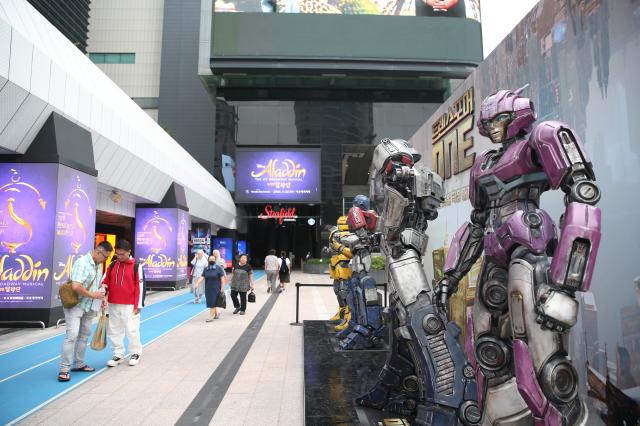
[505,101]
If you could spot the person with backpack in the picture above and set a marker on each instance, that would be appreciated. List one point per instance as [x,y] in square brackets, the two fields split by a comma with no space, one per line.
[284,270]
[124,281]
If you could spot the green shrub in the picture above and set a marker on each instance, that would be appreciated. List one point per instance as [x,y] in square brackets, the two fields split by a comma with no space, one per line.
[377,262]
[314,261]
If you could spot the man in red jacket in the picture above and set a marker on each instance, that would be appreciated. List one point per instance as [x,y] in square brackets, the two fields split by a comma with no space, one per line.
[124,295]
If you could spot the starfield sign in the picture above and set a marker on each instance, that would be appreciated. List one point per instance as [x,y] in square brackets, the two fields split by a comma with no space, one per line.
[280,215]
[277,175]
[450,152]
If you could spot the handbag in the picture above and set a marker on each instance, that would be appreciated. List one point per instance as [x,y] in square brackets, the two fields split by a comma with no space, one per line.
[99,340]
[221,300]
[251,298]
[68,296]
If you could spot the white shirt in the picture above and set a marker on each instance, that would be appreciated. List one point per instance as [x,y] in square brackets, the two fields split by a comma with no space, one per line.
[271,263]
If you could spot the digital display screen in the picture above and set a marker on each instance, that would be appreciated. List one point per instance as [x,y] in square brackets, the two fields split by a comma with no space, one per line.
[75,224]
[447,8]
[27,219]
[242,247]
[47,220]
[225,247]
[156,242]
[277,174]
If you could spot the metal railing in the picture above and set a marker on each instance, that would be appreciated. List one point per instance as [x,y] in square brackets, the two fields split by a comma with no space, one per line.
[298,285]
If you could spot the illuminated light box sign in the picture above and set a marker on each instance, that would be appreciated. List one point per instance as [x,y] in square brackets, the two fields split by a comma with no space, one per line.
[161,243]
[450,8]
[288,214]
[271,175]
[183,244]
[47,220]
[225,247]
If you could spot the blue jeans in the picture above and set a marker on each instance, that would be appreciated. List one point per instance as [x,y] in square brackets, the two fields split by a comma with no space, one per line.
[78,323]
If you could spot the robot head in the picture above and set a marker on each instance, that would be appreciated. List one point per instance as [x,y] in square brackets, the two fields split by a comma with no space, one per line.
[342,224]
[361,201]
[505,115]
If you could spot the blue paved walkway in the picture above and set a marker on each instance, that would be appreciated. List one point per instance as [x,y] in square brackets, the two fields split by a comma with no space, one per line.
[28,375]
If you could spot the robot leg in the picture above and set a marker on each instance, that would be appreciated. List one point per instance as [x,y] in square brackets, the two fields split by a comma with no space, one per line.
[448,392]
[340,313]
[343,328]
[397,388]
[547,380]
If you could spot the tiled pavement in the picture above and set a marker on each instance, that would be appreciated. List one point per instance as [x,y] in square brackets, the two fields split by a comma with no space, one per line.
[267,390]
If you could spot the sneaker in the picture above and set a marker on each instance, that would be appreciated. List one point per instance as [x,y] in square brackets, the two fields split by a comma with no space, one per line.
[209,319]
[236,310]
[134,360]
[114,361]
[242,312]
[217,316]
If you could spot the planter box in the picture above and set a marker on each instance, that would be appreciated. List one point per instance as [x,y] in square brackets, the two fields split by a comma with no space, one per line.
[315,268]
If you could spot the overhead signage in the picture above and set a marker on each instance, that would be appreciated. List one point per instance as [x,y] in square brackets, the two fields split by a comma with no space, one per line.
[277,175]
[280,215]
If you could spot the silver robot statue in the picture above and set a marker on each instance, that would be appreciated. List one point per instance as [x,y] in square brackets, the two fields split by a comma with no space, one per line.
[426,374]
[524,303]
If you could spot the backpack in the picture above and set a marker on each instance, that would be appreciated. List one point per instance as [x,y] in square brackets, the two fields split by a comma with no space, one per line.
[136,267]
[284,269]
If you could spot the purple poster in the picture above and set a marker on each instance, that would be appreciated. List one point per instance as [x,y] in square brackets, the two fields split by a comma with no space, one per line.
[75,223]
[27,206]
[277,175]
[182,240]
[155,246]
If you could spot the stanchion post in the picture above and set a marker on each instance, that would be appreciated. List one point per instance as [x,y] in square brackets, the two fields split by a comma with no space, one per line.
[297,305]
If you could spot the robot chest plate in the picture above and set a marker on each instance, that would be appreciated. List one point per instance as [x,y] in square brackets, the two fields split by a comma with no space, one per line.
[499,173]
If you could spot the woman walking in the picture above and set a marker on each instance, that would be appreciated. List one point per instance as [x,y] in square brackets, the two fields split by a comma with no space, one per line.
[199,263]
[214,280]
[284,270]
[241,283]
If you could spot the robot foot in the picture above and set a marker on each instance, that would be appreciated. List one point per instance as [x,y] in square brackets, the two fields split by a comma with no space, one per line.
[338,315]
[357,341]
[345,321]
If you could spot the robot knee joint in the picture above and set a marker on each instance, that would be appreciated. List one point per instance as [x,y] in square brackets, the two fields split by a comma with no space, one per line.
[559,380]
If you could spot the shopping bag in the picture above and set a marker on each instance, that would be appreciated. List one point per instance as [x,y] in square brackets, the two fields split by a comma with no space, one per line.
[251,298]
[99,340]
[221,301]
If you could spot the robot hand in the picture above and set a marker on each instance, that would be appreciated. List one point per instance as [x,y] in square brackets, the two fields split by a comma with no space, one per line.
[556,310]
[445,288]
[326,252]
[374,240]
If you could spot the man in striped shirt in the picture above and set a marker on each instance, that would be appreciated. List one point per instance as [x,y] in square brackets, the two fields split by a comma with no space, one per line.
[86,276]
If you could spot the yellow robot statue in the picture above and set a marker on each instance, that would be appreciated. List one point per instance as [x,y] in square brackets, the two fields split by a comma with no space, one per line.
[340,271]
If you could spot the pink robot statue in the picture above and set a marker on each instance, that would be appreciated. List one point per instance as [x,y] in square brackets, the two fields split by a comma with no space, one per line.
[525,301]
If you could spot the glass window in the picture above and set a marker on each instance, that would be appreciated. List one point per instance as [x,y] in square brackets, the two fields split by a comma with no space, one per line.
[97,58]
[127,58]
[113,58]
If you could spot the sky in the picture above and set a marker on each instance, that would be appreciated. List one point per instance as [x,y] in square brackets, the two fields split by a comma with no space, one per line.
[498,19]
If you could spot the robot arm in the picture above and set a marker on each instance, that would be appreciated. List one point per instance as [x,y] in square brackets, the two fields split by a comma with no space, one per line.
[564,160]
[336,244]
[466,248]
